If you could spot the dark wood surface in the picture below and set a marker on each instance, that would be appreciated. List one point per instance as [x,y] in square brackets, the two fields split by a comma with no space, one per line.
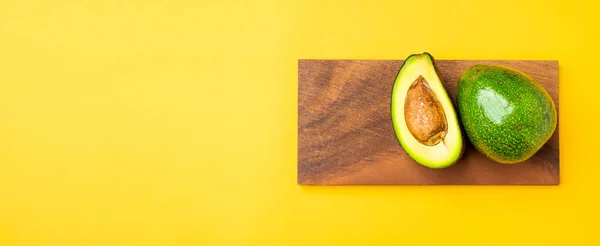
[345,133]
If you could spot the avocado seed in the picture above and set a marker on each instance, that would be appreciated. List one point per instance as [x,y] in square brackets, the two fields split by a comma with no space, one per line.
[424,115]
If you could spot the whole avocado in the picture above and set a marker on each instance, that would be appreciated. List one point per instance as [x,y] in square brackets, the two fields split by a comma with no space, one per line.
[506,114]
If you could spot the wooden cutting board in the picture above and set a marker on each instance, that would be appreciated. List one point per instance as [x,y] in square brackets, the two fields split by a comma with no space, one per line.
[345,133]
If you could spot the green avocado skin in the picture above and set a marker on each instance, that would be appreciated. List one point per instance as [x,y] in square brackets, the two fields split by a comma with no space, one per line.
[506,114]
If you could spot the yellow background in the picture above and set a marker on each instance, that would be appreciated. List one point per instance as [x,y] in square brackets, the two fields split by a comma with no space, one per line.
[175,122]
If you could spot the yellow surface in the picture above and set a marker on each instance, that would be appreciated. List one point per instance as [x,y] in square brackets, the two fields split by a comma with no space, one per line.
[174,123]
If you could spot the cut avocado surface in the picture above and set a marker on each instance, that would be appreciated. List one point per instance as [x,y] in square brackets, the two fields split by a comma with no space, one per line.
[423,115]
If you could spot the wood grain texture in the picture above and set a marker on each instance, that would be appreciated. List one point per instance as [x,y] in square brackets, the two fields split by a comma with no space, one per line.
[345,133]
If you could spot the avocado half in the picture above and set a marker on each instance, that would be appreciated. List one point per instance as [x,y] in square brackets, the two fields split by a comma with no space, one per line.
[423,115]
[507,115]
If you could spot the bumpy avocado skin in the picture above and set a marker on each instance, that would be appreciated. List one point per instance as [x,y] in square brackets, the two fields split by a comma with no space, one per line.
[506,114]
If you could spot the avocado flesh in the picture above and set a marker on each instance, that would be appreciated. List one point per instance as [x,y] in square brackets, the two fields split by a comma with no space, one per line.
[442,146]
[507,115]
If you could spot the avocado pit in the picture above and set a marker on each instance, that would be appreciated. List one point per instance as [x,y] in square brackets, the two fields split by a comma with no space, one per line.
[424,114]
